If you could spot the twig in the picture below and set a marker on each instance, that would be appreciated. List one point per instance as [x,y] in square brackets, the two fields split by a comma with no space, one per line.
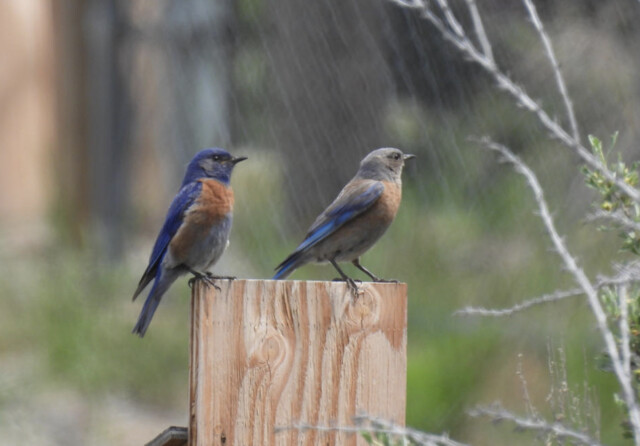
[534,424]
[617,217]
[411,4]
[546,41]
[583,281]
[525,389]
[627,274]
[552,297]
[451,19]
[623,323]
[479,28]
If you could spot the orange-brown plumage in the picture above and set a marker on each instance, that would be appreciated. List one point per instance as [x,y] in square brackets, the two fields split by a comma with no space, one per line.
[214,204]
[386,208]
[216,199]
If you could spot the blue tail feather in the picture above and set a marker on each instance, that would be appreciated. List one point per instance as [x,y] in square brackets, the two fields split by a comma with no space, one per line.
[160,286]
[288,265]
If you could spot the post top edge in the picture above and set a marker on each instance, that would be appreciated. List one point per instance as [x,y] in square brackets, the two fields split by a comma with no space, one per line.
[239,280]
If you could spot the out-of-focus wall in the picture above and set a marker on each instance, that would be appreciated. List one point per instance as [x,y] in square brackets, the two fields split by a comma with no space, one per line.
[26,118]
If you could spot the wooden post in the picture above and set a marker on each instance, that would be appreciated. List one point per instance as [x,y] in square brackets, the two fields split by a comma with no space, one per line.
[269,354]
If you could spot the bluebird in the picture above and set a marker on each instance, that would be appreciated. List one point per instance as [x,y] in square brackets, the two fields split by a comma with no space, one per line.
[356,219]
[195,232]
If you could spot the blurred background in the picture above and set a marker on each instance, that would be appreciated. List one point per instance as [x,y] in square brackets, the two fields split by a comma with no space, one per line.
[103,102]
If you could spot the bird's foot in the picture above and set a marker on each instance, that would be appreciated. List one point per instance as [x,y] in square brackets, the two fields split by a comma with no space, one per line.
[355,291]
[351,284]
[207,278]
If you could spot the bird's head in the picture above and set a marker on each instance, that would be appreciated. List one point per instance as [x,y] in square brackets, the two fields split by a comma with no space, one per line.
[211,163]
[383,164]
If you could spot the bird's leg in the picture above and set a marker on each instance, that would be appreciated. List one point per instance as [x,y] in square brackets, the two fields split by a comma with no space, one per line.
[357,264]
[210,275]
[206,278]
[350,282]
[375,278]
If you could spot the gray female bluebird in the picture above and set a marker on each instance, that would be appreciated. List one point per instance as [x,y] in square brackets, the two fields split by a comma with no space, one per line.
[195,232]
[356,219]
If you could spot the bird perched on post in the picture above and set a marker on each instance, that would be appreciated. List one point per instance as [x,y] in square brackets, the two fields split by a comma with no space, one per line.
[195,232]
[356,219]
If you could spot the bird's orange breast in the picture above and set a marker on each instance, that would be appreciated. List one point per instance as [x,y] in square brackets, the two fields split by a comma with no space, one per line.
[387,205]
[215,201]
[380,214]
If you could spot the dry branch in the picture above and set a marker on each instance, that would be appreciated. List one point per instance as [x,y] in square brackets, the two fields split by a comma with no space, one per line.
[500,312]
[498,414]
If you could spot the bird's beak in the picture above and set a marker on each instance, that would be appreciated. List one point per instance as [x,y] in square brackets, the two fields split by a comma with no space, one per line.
[408,156]
[238,159]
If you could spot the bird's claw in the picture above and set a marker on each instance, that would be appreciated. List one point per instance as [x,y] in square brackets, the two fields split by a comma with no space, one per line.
[210,281]
[353,287]
[351,284]
[207,278]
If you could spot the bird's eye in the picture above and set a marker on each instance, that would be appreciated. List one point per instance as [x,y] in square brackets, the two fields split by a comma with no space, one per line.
[216,158]
[396,156]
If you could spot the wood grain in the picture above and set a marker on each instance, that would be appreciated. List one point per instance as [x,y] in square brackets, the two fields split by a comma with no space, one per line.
[267,354]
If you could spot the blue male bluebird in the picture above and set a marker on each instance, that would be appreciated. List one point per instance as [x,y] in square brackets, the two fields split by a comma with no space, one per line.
[356,219]
[195,232]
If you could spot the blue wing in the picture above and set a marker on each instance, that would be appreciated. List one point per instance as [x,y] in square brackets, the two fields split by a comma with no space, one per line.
[185,198]
[354,199]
